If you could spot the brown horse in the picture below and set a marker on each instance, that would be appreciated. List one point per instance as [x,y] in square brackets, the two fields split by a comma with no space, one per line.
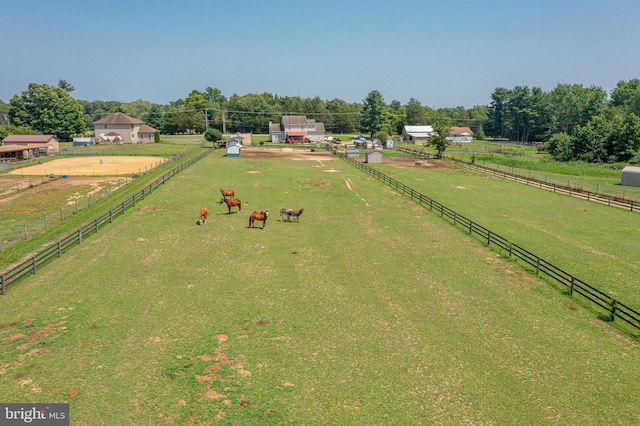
[204,211]
[290,212]
[259,215]
[232,203]
[228,193]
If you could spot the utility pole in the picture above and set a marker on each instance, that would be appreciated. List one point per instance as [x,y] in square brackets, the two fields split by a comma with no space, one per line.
[206,119]
[224,124]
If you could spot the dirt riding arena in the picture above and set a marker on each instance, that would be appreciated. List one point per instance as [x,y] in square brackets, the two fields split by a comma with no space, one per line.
[92,166]
[321,154]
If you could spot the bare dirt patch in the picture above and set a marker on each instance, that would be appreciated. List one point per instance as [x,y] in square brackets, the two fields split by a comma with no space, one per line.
[405,163]
[290,153]
[27,185]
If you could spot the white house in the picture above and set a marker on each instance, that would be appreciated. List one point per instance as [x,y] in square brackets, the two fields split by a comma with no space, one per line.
[129,129]
[417,134]
[460,135]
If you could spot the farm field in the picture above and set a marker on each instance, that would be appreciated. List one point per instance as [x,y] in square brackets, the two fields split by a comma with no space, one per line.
[370,310]
[595,242]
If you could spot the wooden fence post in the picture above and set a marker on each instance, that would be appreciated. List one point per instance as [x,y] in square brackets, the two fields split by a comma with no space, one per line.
[613,309]
[80,236]
[59,249]
[489,238]
[538,266]
[4,291]
[34,264]
[573,279]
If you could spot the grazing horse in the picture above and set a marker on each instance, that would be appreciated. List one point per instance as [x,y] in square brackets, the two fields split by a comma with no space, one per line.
[259,215]
[204,211]
[232,203]
[227,193]
[290,212]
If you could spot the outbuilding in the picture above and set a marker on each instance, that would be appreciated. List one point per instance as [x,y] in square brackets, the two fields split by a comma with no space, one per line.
[374,156]
[630,176]
[233,149]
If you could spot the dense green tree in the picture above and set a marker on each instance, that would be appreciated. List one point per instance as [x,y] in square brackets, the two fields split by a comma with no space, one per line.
[49,110]
[439,141]
[373,111]
[395,105]
[138,109]
[213,135]
[560,147]
[64,85]
[250,113]
[625,92]
[574,105]
[495,126]
[154,116]
[414,113]
[341,117]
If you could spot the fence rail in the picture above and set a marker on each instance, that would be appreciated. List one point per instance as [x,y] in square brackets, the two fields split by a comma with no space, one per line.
[562,189]
[56,250]
[613,308]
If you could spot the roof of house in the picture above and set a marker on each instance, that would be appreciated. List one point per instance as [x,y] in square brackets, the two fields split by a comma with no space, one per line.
[460,131]
[146,129]
[29,138]
[118,118]
[296,119]
[274,128]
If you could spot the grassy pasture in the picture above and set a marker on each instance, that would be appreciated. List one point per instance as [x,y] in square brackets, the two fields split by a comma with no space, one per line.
[595,242]
[370,310]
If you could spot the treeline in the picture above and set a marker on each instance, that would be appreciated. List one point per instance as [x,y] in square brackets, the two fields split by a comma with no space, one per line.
[576,122]
[253,113]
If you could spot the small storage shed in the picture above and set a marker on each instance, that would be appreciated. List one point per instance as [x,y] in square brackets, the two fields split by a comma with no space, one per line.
[82,141]
[374,156]
[352,153]
[630,176]
[388,144]
[233,149]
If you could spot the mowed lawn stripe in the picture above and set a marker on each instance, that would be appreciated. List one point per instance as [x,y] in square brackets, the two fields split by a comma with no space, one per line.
[370,310]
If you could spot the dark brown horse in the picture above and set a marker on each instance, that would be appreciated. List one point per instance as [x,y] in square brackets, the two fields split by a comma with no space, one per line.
[204,211]
[290,212]
[228,193]
[232,203]
[259,215]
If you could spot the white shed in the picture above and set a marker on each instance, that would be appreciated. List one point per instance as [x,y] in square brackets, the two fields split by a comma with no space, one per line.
[630,176]
[233,149]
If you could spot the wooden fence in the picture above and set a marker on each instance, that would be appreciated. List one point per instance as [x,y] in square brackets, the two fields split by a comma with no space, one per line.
[568,190]
[573,285]
[56,250]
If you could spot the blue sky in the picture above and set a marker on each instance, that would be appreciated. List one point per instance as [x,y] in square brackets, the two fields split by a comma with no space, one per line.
[442,53]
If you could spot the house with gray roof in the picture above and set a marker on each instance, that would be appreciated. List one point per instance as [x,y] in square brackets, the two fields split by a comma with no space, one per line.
[296,128]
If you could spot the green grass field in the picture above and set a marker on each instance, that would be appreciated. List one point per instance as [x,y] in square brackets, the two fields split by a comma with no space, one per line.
[371,310]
